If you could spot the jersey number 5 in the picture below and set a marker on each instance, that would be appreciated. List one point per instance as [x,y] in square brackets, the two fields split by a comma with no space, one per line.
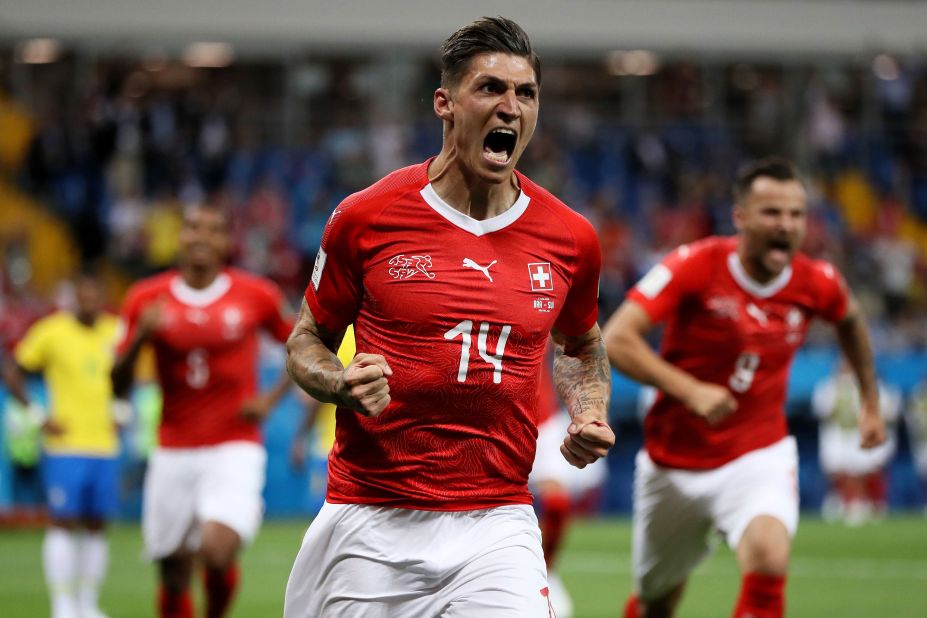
[464,330]
[197,368]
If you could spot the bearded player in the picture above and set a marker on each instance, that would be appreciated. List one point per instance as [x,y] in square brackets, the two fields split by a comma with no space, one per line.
[202,495]
[717,453]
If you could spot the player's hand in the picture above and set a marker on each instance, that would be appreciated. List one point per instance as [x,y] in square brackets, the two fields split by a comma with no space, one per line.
[365,386]
[257,409]
[150,317]
[871,430]
[588,439]
[38,416]
[52,428]
[712,402]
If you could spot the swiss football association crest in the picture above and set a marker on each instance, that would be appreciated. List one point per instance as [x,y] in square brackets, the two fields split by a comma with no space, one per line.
[541,277]
[404,267]
[232,323]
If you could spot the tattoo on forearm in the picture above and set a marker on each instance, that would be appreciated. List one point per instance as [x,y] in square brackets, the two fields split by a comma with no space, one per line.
[581,374]
[311,362]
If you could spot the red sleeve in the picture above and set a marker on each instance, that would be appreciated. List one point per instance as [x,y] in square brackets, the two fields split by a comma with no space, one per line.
[831,291]
[660,291]
[581,307]
[335,290]
[128,318]
[278,319]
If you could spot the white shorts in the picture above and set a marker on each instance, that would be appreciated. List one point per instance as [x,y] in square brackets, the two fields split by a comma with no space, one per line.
[676,511]
[186,487]
[360,561]
[550,465]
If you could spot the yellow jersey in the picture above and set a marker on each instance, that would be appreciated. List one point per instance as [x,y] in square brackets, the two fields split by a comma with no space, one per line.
[75,361]
[325,417]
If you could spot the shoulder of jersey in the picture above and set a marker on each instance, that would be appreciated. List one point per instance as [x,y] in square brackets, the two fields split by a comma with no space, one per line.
[53,320]
[391,186]
[544,198]
[154,284]
[109,320]
[708,248]
[805,266]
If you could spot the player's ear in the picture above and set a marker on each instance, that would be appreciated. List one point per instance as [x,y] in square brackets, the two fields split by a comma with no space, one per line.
[444,105]
[737,215]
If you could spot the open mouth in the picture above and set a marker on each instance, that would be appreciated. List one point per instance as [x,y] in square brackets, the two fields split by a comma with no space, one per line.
[499,145]
[779,250]
[780,244]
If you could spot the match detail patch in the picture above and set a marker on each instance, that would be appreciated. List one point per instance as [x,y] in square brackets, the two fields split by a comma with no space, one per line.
[654,281]
[318,268]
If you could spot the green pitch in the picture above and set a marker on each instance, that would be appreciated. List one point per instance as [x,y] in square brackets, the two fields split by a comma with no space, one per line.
[874,571]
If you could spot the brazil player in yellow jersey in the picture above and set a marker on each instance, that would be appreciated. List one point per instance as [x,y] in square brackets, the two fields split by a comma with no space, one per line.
[74,354]
[321,417]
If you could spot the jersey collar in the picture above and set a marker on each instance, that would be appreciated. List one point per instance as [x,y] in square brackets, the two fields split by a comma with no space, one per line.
[475,226]
[750,285]
[200,298]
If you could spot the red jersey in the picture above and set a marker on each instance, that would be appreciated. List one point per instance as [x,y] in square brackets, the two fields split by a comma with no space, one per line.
[548,398]
[723,327]
[462,310]
[206,351]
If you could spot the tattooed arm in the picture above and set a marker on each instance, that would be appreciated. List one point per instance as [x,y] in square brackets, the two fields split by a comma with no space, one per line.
[314,366]
[583,380]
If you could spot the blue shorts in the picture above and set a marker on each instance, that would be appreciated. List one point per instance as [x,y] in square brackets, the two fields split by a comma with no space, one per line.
[79,486]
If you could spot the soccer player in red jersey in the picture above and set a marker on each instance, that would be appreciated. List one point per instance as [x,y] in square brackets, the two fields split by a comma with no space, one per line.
[454,272]
[717,453]
[202,496]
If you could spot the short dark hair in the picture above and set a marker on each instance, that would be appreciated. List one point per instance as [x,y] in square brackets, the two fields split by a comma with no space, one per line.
[778,168]
[485,35]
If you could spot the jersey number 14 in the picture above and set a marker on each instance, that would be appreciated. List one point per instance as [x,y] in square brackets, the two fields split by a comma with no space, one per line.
[464,331]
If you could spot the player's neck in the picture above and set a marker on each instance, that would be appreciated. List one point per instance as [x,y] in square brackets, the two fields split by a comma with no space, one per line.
[86,318]
[199,277]
[467,193]
[755,269]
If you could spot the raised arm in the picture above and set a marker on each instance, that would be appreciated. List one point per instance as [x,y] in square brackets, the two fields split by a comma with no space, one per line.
[853,337]
[123,370]
[630,353]
[583,380]
[314,366]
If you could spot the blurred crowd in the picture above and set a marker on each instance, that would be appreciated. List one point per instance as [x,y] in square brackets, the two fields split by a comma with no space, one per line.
[117,148]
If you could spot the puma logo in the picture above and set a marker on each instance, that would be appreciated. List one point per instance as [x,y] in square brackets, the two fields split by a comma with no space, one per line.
[757,314]
[468,263]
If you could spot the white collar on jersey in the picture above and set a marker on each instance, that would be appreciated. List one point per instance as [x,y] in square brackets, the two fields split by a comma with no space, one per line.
[468,223]
[749,284]
[193,297]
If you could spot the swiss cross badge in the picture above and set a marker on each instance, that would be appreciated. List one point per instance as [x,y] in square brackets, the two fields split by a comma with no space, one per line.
[541,278]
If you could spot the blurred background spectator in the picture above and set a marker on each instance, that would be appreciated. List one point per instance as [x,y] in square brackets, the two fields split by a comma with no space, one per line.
[858,490]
